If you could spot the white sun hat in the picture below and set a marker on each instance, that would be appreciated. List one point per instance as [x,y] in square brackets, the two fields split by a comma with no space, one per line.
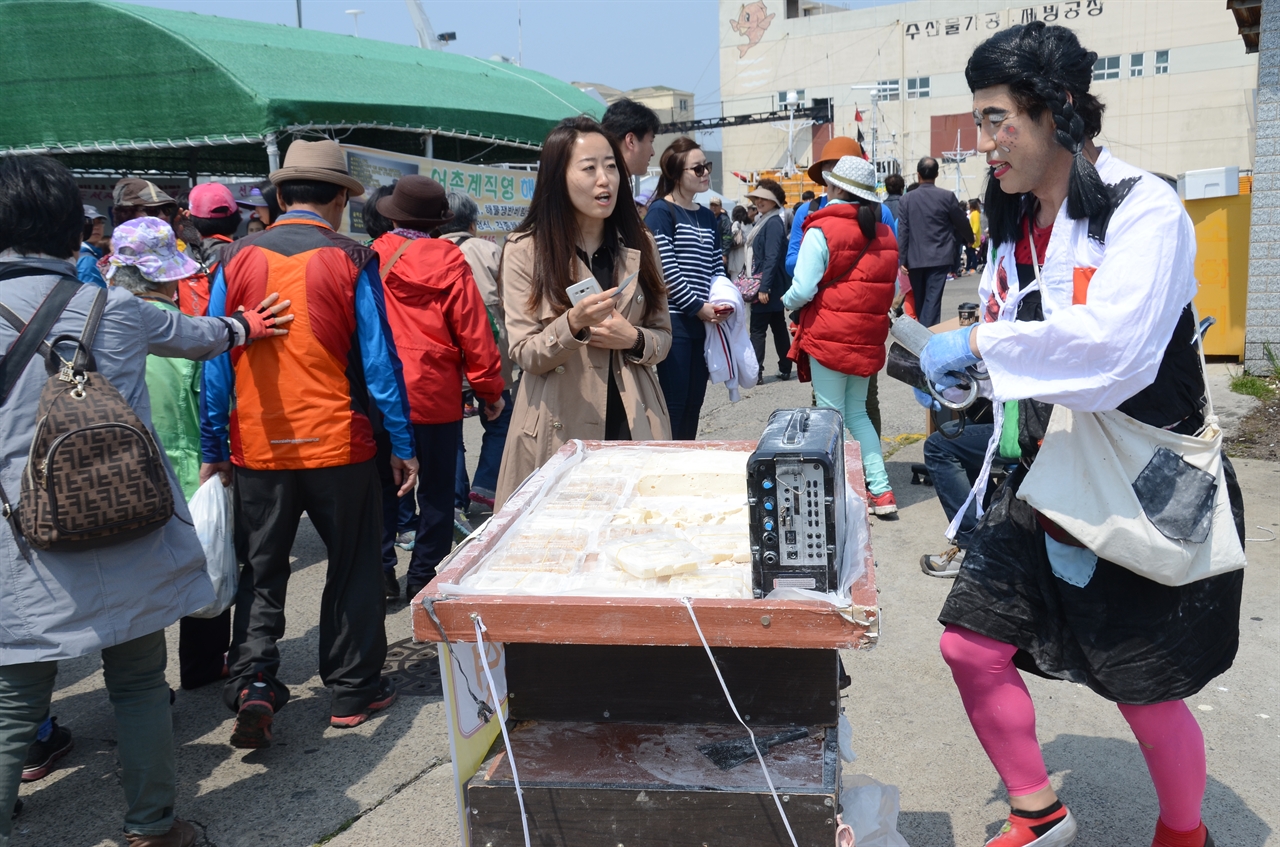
[855,175]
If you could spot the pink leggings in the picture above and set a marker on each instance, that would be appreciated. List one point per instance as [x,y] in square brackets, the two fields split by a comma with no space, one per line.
[1004,719]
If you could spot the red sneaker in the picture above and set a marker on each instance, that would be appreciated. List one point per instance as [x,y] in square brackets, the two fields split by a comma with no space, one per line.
[383,699]
[882,504]
[1166,837]
[253,718]
[1053,830]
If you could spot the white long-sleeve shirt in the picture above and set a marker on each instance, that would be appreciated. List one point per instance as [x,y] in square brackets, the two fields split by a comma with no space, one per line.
[1095,355]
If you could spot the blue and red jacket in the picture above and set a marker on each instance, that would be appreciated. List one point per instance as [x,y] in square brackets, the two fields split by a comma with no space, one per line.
[302,400]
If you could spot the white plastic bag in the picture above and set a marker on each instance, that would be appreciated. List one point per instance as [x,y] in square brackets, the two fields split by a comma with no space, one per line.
[871,808]
[211,514]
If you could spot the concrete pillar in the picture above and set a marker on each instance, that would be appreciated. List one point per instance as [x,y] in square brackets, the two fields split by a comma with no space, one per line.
[1263,313]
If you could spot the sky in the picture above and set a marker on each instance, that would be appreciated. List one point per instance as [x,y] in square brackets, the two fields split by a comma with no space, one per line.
[620,43]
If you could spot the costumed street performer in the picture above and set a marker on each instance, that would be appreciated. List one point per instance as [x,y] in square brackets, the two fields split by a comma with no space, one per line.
[1087,304]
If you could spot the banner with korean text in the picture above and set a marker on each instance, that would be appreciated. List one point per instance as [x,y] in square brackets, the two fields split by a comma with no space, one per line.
[502,194]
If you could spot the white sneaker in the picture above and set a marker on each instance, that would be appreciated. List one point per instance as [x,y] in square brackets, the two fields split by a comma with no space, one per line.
[945,565]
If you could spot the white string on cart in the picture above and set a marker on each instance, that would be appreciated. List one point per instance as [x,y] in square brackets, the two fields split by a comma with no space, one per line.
[502,724]
[688,604]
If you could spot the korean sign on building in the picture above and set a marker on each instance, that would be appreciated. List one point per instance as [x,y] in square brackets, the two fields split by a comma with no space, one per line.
[1061,13]
[503,195]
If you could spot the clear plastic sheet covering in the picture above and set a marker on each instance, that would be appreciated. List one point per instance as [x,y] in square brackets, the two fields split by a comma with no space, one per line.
[639,521]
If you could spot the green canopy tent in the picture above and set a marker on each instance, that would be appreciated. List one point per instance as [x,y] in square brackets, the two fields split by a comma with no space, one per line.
[121,88]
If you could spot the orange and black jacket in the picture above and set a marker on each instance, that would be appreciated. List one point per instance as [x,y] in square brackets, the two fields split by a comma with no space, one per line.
[302,400]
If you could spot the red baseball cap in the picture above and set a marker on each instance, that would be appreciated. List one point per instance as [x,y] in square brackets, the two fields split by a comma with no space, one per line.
[212,200]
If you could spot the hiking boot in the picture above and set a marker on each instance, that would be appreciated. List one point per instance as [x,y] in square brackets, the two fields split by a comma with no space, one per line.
[392,585]
[381,701]
[43,754]
[882,504]
[253,717]
[1056,829]
[406,539]
[943,565]
[182,834]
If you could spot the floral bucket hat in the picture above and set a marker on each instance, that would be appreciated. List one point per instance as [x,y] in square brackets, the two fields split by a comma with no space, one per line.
[149,245]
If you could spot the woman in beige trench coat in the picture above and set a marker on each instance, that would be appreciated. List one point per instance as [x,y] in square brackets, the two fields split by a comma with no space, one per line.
[582,223]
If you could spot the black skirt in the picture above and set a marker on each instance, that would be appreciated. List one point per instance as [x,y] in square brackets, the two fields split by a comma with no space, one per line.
[1129,639]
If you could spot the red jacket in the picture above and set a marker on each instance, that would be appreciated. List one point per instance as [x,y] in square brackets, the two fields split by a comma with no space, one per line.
[845,326]
[440,326]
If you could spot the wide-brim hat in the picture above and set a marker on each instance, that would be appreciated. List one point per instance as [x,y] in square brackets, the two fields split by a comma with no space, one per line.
[418,200]
[833,151]
[149,245]
[759,193]
[855,175]
[321,161]
[132,191]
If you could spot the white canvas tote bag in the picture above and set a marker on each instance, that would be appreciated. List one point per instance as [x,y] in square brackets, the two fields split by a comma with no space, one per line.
[1150,500]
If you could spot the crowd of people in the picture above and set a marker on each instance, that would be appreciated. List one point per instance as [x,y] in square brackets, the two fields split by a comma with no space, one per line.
[311,372]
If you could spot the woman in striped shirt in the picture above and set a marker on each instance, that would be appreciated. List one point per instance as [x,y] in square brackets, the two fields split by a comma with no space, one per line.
[689,246]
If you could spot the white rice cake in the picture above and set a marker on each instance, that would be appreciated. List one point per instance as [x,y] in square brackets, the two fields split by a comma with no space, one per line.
[695,473]
[726,585]
[659,557]
[723,543]
[528,560]
[579,500]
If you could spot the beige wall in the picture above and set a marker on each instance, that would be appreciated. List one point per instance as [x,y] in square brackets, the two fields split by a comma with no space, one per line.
[1199,115]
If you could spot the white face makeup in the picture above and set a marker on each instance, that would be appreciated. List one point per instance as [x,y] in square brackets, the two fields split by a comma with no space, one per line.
[1020,151]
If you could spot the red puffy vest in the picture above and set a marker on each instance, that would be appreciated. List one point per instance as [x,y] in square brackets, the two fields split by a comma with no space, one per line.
[845,326]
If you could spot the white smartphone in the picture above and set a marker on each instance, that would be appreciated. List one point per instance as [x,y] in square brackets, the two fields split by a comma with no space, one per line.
[585,288]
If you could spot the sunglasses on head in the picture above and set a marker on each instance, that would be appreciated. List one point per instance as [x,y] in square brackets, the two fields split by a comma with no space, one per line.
[701,169]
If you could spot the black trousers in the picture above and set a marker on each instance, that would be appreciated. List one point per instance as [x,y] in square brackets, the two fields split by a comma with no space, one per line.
[926,287]
[762,322]
[437,449]
[344,504]
[202,646]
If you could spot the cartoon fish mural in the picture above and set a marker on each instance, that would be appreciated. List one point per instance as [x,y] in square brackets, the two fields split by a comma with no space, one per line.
[752,22]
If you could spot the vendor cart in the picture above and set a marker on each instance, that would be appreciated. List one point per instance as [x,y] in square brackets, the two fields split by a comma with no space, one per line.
[608,701]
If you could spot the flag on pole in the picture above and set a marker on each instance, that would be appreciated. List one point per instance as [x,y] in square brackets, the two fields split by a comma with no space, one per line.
[857,114]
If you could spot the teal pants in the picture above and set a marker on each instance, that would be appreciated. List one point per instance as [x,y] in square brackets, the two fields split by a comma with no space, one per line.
[139,694]
[848,395]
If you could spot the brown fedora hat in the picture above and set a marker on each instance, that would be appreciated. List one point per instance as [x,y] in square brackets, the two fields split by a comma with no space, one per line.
[833,151]
[321,161]
[416,200]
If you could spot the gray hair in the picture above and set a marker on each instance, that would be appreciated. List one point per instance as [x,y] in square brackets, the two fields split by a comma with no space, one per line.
[465,212]
[131,279]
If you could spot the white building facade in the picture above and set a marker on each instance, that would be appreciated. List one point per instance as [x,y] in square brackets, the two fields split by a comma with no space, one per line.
[1180,91]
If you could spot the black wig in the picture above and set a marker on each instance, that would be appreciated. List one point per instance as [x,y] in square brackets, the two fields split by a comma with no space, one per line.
[1042,65]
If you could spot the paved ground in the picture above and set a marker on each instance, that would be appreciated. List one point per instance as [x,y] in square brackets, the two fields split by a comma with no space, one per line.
[389,782]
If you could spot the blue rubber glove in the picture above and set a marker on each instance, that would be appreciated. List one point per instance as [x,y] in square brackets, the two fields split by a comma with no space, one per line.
[947,351]
[927,400]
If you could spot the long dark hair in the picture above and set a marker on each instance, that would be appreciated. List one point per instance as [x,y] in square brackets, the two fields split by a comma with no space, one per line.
[868,213]
[553,223]
[1042,65]
[671,164]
